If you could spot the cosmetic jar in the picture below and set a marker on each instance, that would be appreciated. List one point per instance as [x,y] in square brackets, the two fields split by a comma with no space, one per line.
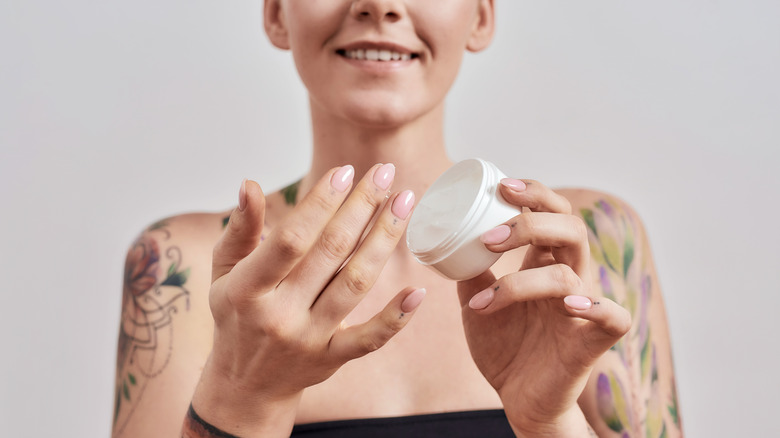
[461,205]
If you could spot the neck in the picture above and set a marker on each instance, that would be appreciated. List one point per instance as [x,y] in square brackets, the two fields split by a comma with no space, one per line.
[415,148]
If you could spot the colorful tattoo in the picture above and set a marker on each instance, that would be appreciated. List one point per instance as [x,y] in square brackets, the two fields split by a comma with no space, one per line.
[624,277]
[196,427]
[291,193]
[149,301]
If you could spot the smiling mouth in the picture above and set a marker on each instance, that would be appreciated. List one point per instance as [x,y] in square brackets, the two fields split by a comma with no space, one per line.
[376,55]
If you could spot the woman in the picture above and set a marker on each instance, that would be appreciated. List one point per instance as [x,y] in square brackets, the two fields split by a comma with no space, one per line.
[289,319]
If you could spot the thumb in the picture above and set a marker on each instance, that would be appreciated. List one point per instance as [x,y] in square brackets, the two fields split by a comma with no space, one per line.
[242,234]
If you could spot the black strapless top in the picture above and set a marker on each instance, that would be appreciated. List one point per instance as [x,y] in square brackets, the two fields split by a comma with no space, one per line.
[487,423]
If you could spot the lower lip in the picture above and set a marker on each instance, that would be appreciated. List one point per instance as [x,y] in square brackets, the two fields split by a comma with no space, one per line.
[378,66]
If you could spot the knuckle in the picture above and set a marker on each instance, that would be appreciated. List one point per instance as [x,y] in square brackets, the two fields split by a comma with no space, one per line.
[566,279]
[278,329]
[378,338]
[219,248]
[533,182]
[530,221]
[565,204]
[581,230]
[356,279]
[335,243]
[387,231]
[369,343]
[321,199]
[367,197]
[625,322]
[290,243]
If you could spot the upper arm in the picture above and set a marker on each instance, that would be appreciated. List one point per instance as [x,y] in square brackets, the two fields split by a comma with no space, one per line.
[165,324]
[632,388]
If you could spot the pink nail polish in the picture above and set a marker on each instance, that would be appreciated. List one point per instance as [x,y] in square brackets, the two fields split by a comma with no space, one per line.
[497,235]
[403,204]
[342,179]
[242,196]
[577,302]
[514,184]
[383,176]
[482,299]
[413,300]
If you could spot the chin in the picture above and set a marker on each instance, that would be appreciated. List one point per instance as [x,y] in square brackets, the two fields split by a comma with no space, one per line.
[384,112]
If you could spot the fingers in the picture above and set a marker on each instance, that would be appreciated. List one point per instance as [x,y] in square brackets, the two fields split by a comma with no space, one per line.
[565,235]
[611,321]
[242,234]
[342,234]
[359,340]
[534,196]
[288,243]
[357,277]
[554,281]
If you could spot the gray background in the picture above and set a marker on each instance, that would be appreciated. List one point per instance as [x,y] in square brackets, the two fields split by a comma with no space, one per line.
[113,115]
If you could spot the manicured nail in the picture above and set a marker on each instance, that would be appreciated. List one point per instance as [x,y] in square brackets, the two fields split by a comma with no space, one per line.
[383,176]
[403,204]
[482,299]
[242,196]
[577,302]
[342,179]
[514,184]
[496,235]
[413,300]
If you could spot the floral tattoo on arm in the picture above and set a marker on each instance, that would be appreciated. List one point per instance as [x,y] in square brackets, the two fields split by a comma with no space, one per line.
[625,278]
[154,291]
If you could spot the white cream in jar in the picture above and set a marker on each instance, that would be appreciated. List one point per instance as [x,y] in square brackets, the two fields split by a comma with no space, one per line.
[461,205]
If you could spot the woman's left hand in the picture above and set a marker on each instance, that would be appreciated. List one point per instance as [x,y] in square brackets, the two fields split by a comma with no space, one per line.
[535,334]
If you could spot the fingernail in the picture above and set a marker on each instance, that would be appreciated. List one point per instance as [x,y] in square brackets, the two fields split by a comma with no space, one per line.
[342,179]
[514,184]
[383,176]
[496,235]
[482,299]
[577,302]
[403,204]
[242,196]
[413,300]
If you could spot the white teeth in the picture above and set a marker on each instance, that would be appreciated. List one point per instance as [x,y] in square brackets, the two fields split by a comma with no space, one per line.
[377,55]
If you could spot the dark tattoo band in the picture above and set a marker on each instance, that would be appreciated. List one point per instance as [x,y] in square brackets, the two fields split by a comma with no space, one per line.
[196,427]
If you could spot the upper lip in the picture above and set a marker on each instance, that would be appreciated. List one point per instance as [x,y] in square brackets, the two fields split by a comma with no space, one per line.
[376,45]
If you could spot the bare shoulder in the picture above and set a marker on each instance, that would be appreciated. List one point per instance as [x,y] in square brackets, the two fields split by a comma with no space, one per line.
[586,200]
[632,389]
[165,324]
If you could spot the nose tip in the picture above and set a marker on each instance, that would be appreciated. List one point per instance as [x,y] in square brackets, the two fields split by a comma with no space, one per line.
[378,10]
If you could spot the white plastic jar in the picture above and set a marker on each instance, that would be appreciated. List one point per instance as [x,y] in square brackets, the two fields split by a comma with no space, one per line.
[461,205]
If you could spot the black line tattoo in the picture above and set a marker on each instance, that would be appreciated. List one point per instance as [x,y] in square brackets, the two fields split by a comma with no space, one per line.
[196,427]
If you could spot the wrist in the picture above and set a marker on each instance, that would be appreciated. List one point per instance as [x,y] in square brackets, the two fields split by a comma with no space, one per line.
[571,424]
[236,410]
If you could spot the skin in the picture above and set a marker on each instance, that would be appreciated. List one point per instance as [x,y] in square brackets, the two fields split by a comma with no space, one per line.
[276,334]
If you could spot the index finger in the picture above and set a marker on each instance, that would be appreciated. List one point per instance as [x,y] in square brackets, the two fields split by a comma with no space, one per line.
[533,195]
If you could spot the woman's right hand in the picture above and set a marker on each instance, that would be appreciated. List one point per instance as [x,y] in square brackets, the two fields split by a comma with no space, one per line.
[278,305]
